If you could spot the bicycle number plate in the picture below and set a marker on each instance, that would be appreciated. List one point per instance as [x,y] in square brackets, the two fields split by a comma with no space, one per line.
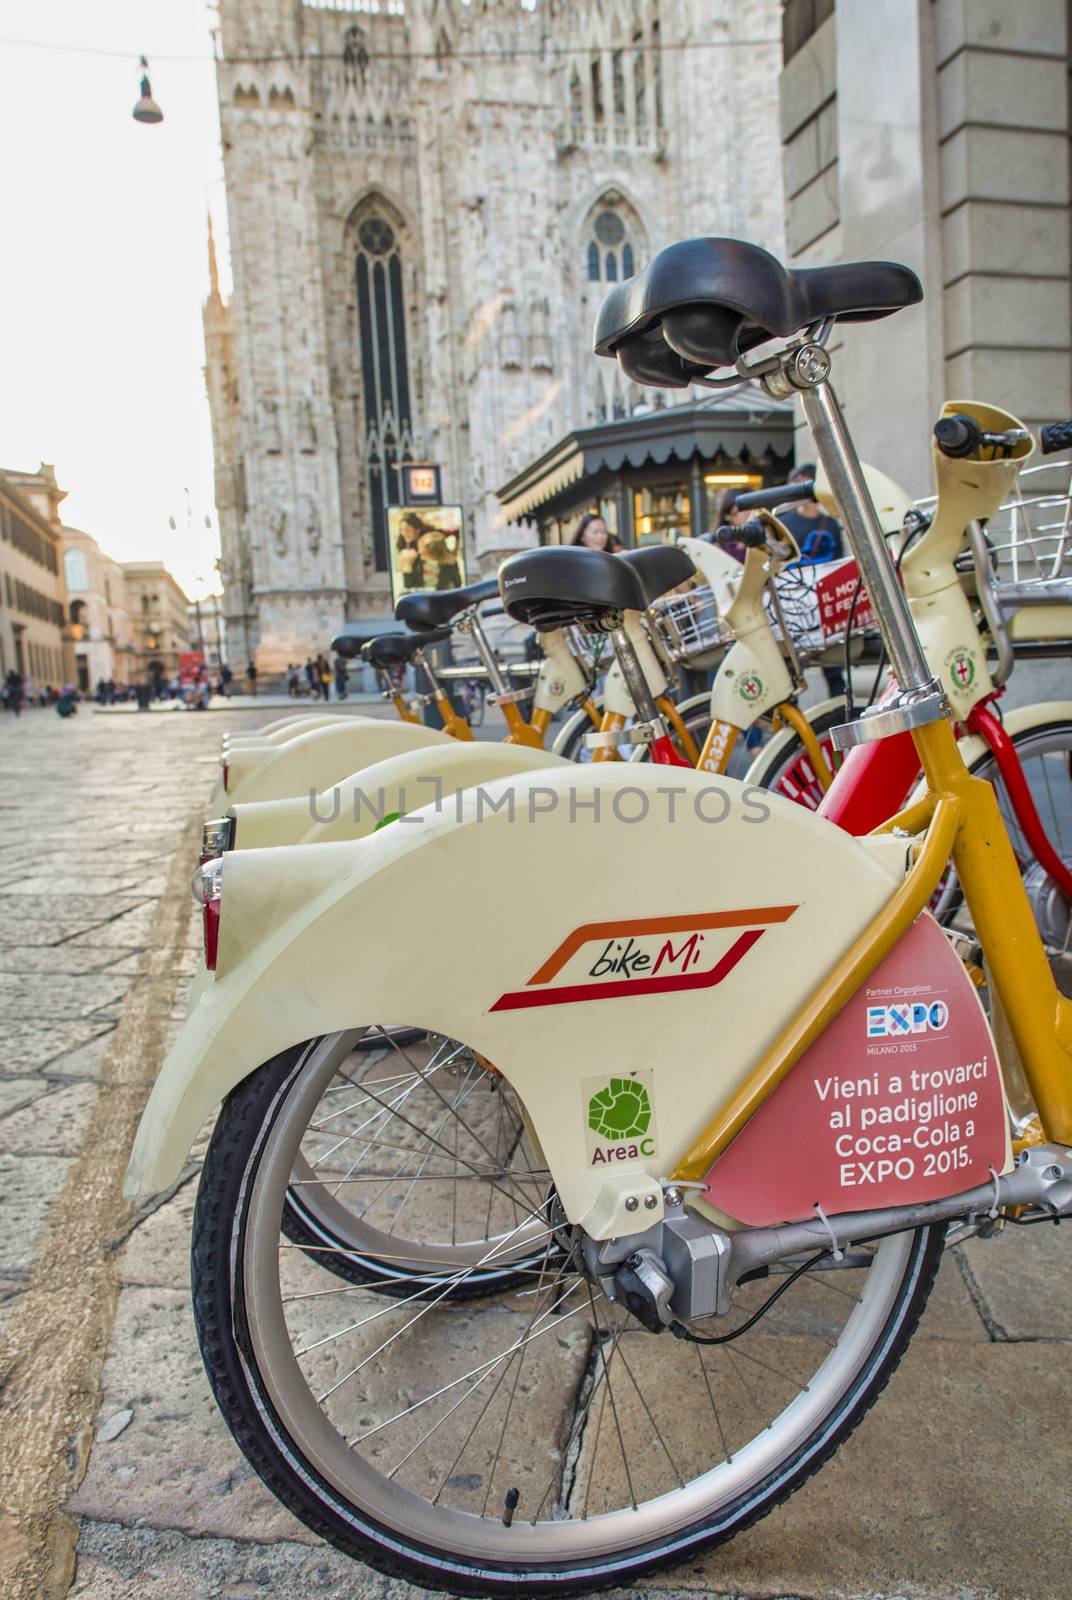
[900,1100]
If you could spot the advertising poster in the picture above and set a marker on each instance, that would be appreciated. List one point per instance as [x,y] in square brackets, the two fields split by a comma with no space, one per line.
[426,547]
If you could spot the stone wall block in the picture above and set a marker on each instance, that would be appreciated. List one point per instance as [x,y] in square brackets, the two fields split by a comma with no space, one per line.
[1030,383]
[812,212]
[1039,26]
[1032,313]
[1005,90]
[1004,164]
[810,79]
[985,236]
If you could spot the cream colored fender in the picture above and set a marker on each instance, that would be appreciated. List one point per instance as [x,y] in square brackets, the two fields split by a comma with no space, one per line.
[316,760]
[359,804]
[275,733]
[511,925]
[785,737]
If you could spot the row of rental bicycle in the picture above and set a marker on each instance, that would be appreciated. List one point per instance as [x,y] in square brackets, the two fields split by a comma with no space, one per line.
[585,1134]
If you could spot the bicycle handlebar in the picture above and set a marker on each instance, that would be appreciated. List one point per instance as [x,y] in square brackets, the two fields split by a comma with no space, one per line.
[1055,436]
[751,534]
[779,495]
[960,436]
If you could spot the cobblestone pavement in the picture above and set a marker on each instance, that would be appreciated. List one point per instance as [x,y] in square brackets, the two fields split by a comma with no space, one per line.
[118,1478]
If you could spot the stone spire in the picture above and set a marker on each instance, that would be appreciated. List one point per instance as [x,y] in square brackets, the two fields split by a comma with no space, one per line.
[214,295]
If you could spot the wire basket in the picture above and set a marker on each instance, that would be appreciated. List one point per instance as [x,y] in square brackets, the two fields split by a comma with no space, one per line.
[690,627]
[1030,537]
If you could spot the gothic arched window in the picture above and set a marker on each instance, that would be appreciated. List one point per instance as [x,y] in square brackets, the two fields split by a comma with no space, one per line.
[381,326]
[614,245]
[613,241]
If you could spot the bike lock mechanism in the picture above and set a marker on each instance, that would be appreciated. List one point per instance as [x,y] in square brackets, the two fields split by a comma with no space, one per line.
[803,370]
[685,1268]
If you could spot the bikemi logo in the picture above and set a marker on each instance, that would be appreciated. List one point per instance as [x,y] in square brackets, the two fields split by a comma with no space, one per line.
[905,1018]
[619,1118]
[647,955]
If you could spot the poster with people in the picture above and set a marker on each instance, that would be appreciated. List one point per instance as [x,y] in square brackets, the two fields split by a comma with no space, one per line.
[427,548]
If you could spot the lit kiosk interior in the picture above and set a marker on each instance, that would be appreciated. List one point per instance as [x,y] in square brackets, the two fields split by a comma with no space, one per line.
[657,475]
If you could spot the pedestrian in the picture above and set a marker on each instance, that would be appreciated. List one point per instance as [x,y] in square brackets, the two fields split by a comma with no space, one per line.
[819,539]
[67,702]
[323,676]
[311,676]
[251,678]
[593,534]
[226,676]
[341,671]
[816,532]
[13,691]
[293,682]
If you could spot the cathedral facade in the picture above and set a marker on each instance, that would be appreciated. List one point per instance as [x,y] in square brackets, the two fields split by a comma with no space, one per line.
[427,200]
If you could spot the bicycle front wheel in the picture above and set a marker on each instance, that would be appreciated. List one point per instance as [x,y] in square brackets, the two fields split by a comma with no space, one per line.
[538,1440]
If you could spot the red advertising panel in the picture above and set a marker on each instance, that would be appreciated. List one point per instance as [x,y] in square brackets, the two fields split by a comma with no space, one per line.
[191,666]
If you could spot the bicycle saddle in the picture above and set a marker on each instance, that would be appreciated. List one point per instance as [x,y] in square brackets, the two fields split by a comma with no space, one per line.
[704,303]
[434,607]
[347,645]
[395,649]
[659,567]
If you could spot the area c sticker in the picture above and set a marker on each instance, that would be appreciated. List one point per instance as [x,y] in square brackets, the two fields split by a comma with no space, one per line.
[619,1119]
[648,955]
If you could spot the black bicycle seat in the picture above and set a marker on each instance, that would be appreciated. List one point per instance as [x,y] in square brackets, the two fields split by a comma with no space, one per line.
[433,607]
[659,567]
[557,585]
[704,303]
[395,649]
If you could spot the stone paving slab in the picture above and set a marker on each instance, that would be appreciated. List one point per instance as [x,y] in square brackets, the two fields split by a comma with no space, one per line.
[53,1125]
[27,1046]
[175,1466]
[71,956]
[29,995]
[1023,1284]
[28,1186]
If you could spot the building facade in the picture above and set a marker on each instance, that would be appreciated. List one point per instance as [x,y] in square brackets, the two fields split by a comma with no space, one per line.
[207,628]
[935,133]
[427,200]
[33,638]
[99,624]
[158,610]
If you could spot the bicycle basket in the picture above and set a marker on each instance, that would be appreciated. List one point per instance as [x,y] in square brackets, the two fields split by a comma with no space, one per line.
[819,602]
[690,627]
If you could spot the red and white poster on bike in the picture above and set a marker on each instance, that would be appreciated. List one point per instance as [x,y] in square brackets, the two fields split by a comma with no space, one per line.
[899,1100]
[835,591]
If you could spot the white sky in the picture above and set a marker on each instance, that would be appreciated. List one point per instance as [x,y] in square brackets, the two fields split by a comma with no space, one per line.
[103,268]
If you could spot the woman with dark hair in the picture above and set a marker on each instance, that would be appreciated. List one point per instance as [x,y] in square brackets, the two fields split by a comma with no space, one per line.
[410,564]
[593,534]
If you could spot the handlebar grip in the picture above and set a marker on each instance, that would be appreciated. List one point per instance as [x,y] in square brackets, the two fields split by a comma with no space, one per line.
[958,436]
[779,495]
[753,534]
[1055,436]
